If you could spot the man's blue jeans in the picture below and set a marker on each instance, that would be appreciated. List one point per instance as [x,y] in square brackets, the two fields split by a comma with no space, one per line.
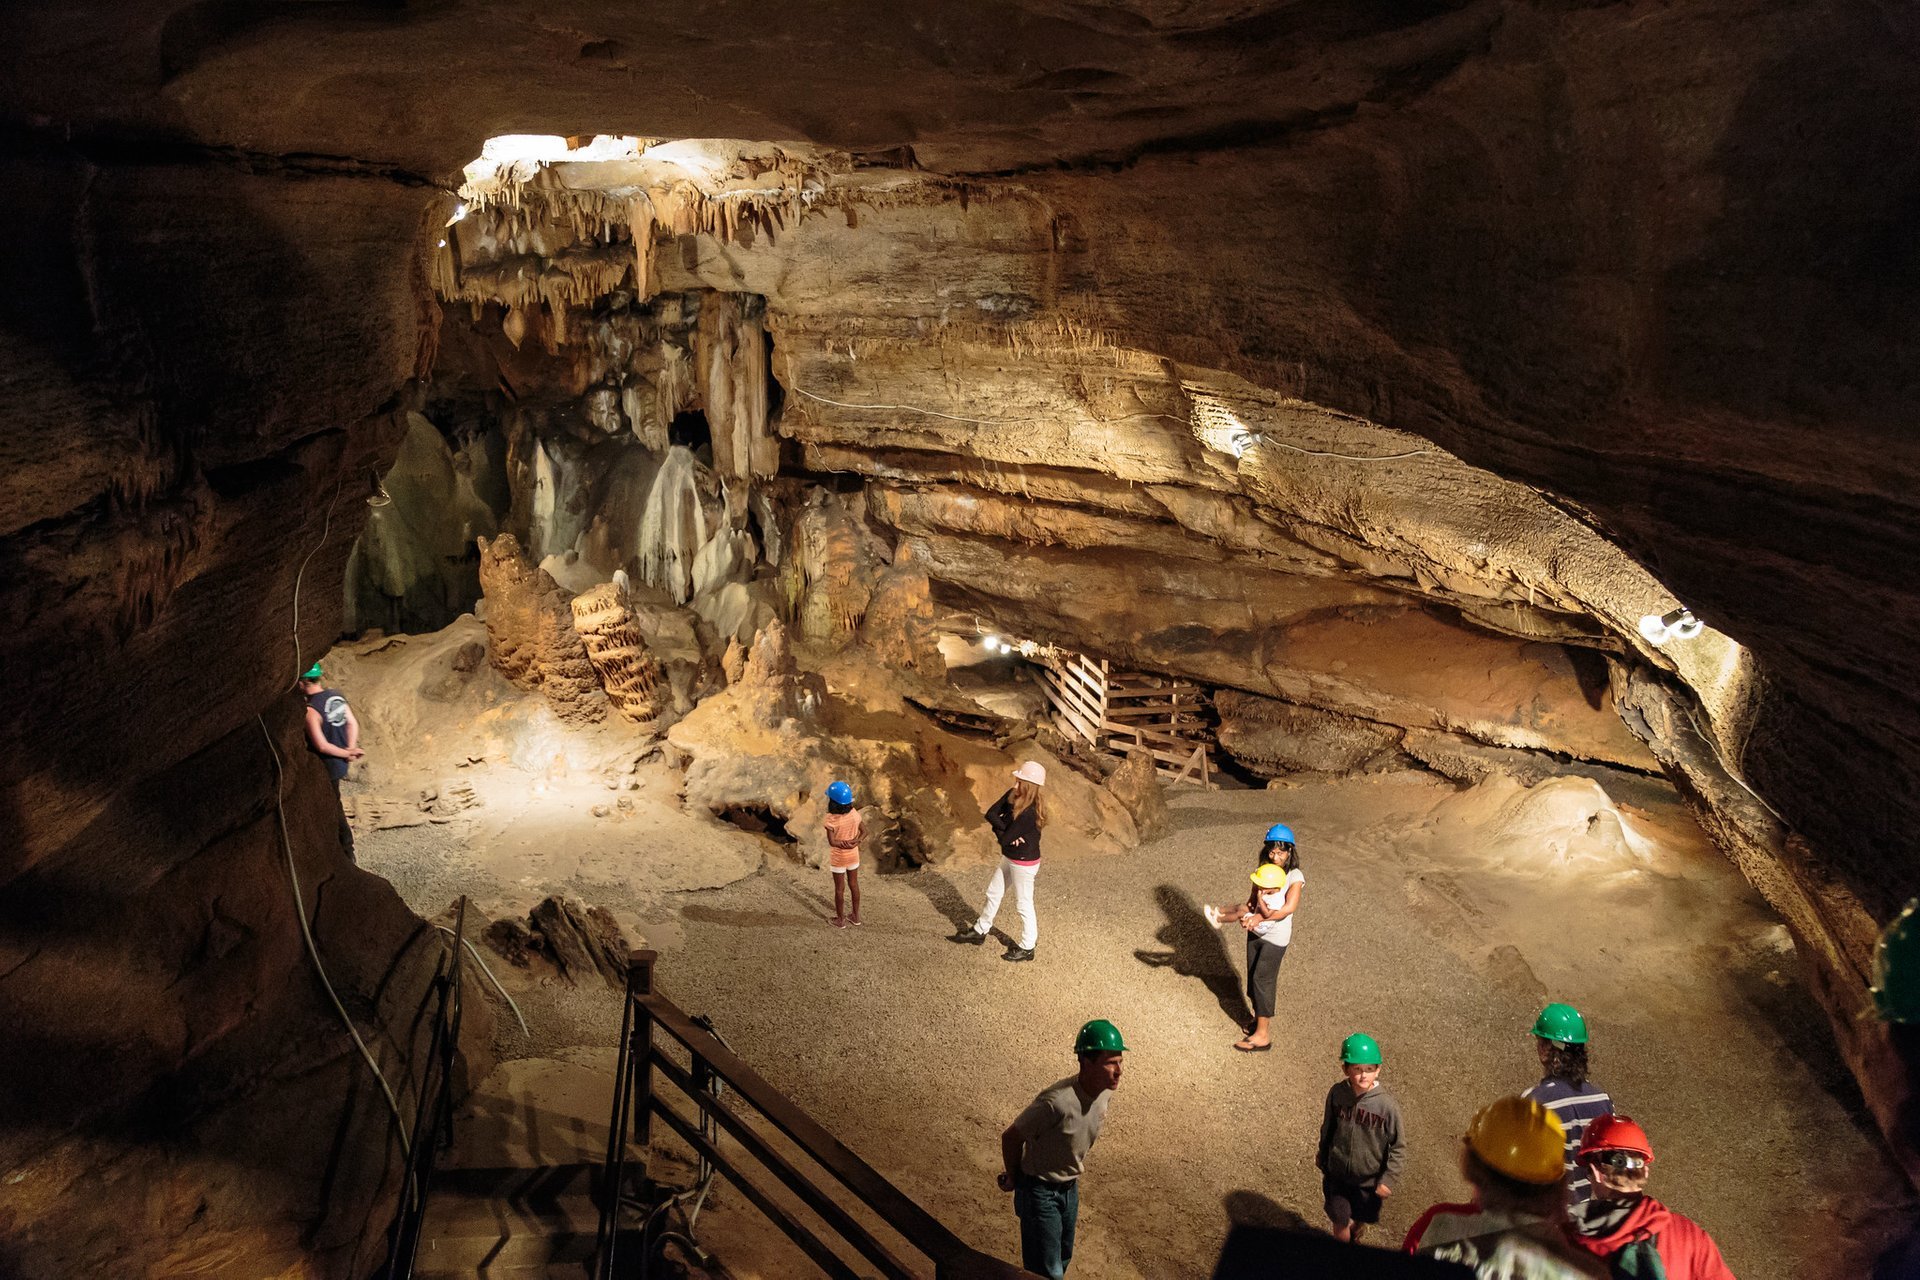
[1047,1211]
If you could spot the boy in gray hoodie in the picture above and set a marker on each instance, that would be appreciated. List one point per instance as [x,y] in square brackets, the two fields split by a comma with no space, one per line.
[1362,1141]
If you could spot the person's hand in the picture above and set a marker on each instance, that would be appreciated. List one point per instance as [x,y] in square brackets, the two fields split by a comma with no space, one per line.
[1018,841]
[1249,922]
[354,753]
[1383,1190]
[1004,1181]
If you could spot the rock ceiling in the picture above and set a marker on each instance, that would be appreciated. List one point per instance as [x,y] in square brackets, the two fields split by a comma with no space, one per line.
[1644,278]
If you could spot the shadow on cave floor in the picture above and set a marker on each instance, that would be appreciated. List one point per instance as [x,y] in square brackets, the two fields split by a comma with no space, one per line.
[952,904]
[1252,1209]
[1197,951]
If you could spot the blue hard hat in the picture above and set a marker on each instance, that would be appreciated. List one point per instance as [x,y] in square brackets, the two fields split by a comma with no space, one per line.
[840,793]
[1281,831]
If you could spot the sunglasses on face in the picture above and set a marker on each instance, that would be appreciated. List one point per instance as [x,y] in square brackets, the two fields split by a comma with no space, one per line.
[1626,1162]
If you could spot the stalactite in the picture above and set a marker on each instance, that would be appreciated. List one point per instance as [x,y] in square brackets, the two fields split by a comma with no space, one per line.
[674,526]
[640,225]
[672,387]
[731,347]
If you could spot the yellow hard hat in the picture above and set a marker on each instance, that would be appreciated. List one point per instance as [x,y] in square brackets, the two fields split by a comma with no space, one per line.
[1268,876]
[1520,1138]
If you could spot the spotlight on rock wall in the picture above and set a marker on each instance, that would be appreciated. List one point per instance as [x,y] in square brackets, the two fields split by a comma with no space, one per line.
[1220,428]
[459,211]
[1680,624]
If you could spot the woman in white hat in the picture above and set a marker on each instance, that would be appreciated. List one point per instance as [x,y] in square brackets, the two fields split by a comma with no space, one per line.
[1016,819]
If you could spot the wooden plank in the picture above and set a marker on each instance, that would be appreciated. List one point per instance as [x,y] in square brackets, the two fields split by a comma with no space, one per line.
[1072,714]
[842,1222]
[1135,689]
[921,1229]
[1073,695]
[823,1257]
[1148,733]
[1095,687]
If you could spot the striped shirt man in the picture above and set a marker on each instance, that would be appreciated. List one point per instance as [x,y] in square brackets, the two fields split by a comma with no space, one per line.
[1575,1105]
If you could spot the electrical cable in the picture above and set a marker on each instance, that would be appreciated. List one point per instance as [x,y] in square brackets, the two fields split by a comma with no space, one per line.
[468,943]
[1258,439]
[325,526]
[1713,749]
[313,951]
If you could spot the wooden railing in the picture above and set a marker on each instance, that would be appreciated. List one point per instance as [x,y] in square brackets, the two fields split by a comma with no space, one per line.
[827,1182]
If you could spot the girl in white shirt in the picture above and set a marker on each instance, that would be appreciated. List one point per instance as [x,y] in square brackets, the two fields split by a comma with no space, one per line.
[1267,917]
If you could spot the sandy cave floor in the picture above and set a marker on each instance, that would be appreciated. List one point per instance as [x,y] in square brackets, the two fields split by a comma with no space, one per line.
[1417,927]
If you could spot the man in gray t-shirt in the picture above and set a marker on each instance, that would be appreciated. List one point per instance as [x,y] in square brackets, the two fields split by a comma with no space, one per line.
[1045,1148]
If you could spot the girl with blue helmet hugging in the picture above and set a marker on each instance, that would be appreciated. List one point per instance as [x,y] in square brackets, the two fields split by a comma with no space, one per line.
[1267,918]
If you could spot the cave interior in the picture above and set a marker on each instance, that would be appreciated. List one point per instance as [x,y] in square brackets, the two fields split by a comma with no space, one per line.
[1498,452]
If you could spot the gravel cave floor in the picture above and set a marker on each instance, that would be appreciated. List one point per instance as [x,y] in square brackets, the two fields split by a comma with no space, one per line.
[915,1051]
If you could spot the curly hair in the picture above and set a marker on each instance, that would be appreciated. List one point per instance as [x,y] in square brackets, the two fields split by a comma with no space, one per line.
[1566,1062]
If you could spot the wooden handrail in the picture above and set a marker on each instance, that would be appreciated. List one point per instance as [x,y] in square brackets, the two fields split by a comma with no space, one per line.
[635,1103]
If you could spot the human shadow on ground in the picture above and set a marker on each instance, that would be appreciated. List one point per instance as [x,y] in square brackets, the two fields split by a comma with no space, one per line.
[948,901]
[1252,1209]
[1196,950]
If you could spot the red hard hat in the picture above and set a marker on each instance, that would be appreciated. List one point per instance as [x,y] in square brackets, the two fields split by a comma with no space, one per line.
[1615,1133]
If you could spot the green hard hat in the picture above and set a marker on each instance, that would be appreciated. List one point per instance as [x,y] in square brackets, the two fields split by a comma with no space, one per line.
[1360,1049]
[1561,1023]
[1099,1036]
[1896,967]
[313,672]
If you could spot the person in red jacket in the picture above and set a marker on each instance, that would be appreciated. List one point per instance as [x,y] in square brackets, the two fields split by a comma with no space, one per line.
[1634,1233]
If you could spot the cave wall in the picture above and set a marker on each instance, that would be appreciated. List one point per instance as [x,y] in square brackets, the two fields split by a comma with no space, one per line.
[163,1025]
[1658,265]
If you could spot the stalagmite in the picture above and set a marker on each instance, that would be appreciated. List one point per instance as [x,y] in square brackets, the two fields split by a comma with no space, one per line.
[531,639]
[614,645]
[831,573]
[674,526]
[724,556]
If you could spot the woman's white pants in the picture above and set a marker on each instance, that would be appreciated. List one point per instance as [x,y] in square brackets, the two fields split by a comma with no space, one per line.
[1012,873]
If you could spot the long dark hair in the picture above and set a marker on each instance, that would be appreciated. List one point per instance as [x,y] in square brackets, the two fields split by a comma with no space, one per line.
[1281,853]
[1567,1062]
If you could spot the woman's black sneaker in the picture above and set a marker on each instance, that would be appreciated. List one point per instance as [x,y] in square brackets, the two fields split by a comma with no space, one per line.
[1017,953]
[969,935]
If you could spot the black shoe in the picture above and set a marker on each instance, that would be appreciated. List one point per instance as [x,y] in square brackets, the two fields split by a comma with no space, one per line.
[969,935]
[1017,953]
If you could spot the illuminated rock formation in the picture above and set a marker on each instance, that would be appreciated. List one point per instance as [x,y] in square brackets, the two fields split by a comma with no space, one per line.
[531,638]
[613,643]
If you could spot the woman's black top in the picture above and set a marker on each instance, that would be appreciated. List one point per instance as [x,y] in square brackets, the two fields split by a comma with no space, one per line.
[1019,834]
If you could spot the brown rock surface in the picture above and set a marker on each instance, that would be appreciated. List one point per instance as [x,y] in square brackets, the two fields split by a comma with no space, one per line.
[1569,244]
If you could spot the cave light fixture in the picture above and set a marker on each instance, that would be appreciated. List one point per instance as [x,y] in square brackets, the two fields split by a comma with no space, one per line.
[1220,428]
[1676,624]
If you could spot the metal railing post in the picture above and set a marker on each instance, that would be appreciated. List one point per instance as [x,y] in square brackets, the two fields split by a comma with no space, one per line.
[640,1055]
